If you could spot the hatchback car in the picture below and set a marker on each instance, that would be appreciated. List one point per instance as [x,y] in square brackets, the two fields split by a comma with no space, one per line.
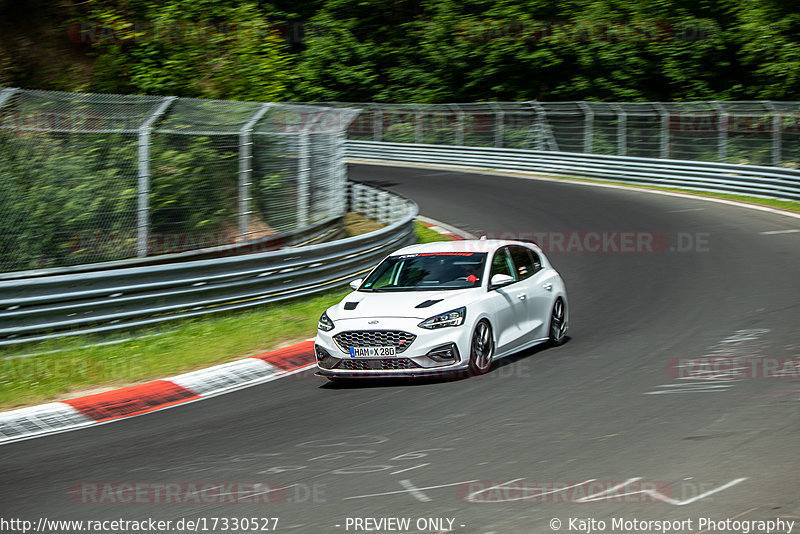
[441,307]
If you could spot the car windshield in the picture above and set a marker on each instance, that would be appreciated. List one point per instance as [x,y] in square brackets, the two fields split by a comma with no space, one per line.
[429,271]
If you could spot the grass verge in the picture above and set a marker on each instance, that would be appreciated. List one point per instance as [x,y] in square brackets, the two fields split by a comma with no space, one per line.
[64,368]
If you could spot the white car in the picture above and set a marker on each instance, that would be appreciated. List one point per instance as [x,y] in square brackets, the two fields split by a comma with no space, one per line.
[442,307]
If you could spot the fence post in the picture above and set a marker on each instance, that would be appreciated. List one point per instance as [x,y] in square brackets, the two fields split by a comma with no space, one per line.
[143,192]
[377,123]
[418,127]
[588,127]
[459,137]
[499,117]
[303,178]
[340,180]
[663,151]
[246,168]
[541,124]
[722,134]
[777,141]
[622,130]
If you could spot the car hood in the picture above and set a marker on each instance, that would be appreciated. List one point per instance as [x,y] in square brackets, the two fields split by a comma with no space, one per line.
[412,304]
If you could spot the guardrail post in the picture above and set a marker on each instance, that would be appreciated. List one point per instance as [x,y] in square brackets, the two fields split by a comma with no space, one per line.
[663,144]
[246,168]
[588,127]
[303,179]
[722,134]
[143,192]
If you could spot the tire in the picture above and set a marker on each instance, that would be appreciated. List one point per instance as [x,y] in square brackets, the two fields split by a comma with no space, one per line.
[481,349]
[558,327]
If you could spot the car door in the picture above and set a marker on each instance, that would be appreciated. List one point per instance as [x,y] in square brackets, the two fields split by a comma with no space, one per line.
[507,304]
[534,283]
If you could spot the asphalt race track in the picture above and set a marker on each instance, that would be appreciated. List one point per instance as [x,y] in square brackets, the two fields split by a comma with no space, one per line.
[606,426]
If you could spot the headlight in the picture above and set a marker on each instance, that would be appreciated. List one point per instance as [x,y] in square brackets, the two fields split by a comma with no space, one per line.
[451,318]
[325,324]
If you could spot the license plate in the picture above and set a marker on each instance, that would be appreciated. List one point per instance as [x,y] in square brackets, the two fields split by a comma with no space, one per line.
[372,352]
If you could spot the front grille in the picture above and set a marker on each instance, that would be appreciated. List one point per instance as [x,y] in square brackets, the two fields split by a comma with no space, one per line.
[385,364]
[374,338]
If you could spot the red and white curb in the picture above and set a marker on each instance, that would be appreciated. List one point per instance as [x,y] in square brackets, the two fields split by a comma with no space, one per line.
[451,232]
[130,401]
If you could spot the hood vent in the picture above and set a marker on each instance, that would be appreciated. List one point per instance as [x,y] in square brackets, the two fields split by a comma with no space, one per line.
[428,303]
[350,305]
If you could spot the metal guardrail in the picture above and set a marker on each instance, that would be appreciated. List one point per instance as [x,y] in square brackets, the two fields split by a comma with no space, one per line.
[771,182]
[327,230]
[39,308]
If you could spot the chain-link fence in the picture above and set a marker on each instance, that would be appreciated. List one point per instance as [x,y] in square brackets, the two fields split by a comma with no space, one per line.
[89,178]
[755,133]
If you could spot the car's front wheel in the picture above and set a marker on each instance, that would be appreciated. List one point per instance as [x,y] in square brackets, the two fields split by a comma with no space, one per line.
[481,349]
[558,324]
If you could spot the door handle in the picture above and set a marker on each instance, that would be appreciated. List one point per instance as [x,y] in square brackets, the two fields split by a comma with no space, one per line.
[548,287]
[521,297]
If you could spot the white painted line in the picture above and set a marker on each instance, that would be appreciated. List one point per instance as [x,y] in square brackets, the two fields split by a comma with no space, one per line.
[684,385]
[776,232]
[686,210]
[413,490]
[657,495]
[704,389]
[409,469]
[407,491]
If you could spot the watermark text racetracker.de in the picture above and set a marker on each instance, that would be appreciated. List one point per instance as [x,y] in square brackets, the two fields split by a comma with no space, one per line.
[207,492]
[702,524]
[609,241]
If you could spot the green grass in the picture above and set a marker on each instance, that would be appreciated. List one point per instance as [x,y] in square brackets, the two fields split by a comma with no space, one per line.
[426,235]
[69,367]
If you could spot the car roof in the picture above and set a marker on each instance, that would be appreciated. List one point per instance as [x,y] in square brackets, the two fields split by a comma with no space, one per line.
[467,245]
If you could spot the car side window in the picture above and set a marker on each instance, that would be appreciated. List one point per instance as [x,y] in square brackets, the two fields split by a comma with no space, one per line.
[537,262]
[501,264]
[524,263]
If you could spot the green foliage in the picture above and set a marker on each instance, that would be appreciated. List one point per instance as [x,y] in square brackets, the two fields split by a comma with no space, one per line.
[414,50]
[613,50]
[194,185]
[211,49]
[64,202]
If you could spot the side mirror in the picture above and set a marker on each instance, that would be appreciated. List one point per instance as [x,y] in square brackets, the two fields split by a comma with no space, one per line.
[500,280]
[355,284]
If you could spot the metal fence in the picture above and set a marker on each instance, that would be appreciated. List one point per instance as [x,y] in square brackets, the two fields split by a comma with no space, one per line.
[94,178]
[46,307]
[754,133]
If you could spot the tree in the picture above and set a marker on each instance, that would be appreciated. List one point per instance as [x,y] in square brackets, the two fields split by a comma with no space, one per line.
[200,48]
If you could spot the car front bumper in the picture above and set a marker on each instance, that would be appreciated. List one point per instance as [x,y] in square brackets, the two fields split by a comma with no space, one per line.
[432,352]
